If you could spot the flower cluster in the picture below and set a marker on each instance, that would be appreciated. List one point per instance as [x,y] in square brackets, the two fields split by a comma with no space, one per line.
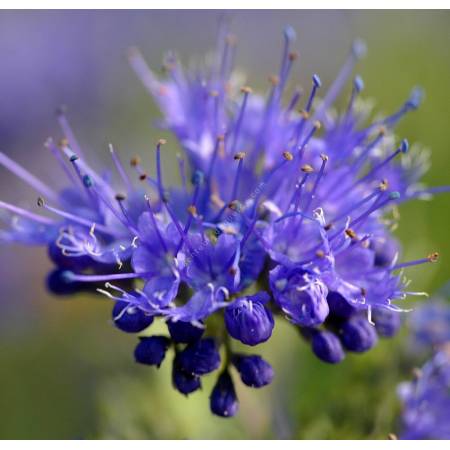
[284,207]
[426,400]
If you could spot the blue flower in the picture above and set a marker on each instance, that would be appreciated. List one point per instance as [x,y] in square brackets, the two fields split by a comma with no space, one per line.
[426,401]
[248,320]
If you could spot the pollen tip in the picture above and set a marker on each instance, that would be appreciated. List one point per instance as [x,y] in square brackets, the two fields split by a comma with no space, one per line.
[289,33]
[197,177]
[324,157]
[288,156]
[143,176]
[304,114]
[234,205]
[316,80]
[220,137]
[87,181]
[351,233]
[214,93]
[392,437]
[63,143]
[274,80]
[394,195]
[307,168]
[382,130]
[61,110]
[359,48]
[40,202]
[192,210]
[135,161]
[162,142]
[120,197]
[246,90]
[320,254]
[383,186]
[404,146]
[317,125]
[73,158]
[358,83]
[238,156]
[416,373]
[433,257]
[293,56]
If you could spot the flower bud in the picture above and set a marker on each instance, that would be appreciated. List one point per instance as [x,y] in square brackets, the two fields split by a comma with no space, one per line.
[248,320]
[151,350]
[255,371]
[200,357]
[182,381]
[358,335]
[327,347]
[184,332]
[339,306]
[130,319]
[387,323]
[223,400]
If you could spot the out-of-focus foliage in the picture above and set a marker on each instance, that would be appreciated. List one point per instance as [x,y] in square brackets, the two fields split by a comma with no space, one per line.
[68,373]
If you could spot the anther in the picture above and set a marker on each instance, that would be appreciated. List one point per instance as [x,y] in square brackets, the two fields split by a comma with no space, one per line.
[328,226]
[63,143]
[234,205]
[239,156]
[383,185]
[382,130]
[433,257]
[316,80]
[289,33]
[214,93]
[192,210]
[162,142]
[358,84]
[220,137]
[143,176]
[246,90]
[120,197]
[320,254]
[87,181]
[135,161]
[304,114]
[404,146]
[274,80]
[395,195]
[73,158]
[416,373]
[350,233]
[293,56]
[40,202]
[288,156]
[324,157]
[307,168]
[317,125]
[392,437]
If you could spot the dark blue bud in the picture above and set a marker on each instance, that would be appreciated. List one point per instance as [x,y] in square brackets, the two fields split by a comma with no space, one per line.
[223,400]
[358,84]
[358,335]
[387,323]
[254,371]
[184,332]
[200,358]
[182,381]
[58,283]
[87,181]
[316,80]
[151,350]
[339,307]
[197,177]
[130,319]
[327,347]
[248,320]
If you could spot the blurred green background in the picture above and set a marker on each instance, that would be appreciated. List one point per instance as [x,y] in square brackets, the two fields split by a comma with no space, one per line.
[65,371]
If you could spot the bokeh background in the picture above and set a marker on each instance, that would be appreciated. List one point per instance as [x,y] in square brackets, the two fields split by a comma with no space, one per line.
[65,371]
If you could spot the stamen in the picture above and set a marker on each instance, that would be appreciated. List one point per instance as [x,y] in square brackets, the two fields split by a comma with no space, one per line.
[67,130]
[70,276]
[316,183]
[316,84]
[240,158]
[155,226]
[246,91]
[120,167]
[26,176]
[159,171]
[431,258]
[24,213]
[358,86]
